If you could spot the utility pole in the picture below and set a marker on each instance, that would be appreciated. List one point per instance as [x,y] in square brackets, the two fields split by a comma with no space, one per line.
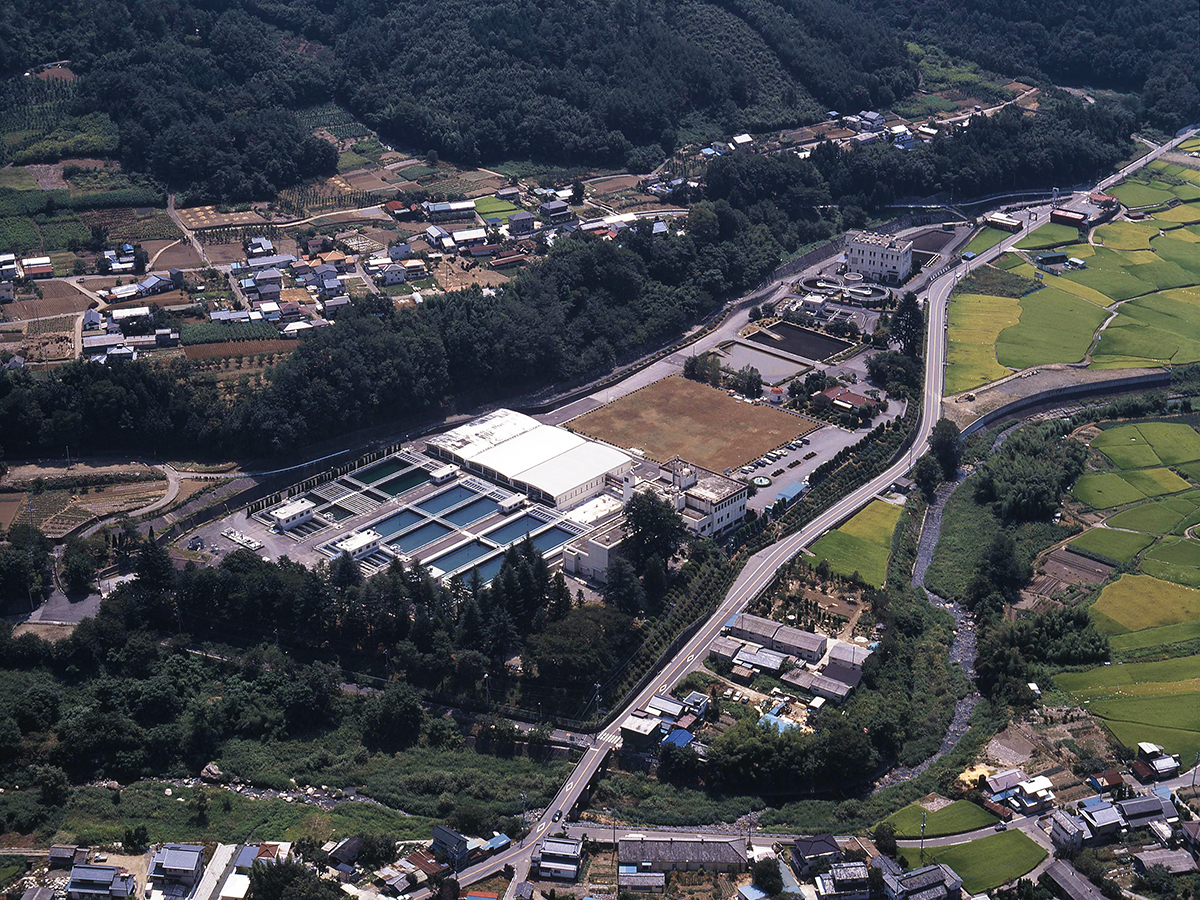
[922,837]
[487,687]
[523,826]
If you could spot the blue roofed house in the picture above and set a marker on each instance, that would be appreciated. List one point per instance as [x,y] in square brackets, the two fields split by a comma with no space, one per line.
[680,737]
[100,883]
[175,869]
[261,854]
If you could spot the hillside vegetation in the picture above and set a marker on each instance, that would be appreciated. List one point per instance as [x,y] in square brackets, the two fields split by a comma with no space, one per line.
[206,97]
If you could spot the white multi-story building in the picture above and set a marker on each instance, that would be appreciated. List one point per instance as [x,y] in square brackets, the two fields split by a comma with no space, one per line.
[879,257]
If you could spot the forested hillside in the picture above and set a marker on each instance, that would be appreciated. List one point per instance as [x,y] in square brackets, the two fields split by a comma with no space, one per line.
[204,94]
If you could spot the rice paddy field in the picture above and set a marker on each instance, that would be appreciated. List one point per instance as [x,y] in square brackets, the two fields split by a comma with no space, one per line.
[959,817]
[975,323]
[1135,699]
[1147,272]
[985,240]
[1161,522]
[862,545]
[991,861]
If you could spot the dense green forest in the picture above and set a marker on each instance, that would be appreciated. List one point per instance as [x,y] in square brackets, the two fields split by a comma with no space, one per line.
[204,96]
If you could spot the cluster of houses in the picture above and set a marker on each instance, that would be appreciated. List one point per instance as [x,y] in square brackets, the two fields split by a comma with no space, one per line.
[1114,811]
[150,285]
[665,721]
[810,662]
[175,871]
[123,334]
[11,269]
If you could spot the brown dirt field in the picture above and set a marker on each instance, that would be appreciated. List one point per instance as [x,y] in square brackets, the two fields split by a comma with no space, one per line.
[49,177]
[58,299]
[453,276]
[209,217]
[612,185]
[366,180]
[181,256]
[10,505]
[224,254]
[1075,569]
[237,348]
[701,424]
[44,630]
[26,471]
[57,73]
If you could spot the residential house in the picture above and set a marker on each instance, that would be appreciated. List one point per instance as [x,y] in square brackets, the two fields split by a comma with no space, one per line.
[278,261]
[252,855]
[8,267]
[1102,819]
[1108,780]
[398,252]
[331,307]
[390,275]
[724,647]
[63,856]
[844,398]
[175,867]
[555,211]
[1002,783]
[933,882]
[1032,796]
[668,708]
[1176,862]
[154,284]
[559,857]
[259,246]
[521,224]
[450,846]
[346,851]
[1070,883]
[7,292]
[100,883]
[849,654]
[871,120]
[712,854]
[14,363]
[1158,762]
[1067,832]
[844,881]
[92,320]
[1139,812]
[811,853]
[697,704]
[414,269]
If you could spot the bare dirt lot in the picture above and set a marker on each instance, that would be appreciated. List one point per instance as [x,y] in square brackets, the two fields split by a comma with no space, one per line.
[179,256]
[612,185]
[58,299]
[45,630]
[224,254]
[453,276]
[10,505]
[1075,569]
[701,424]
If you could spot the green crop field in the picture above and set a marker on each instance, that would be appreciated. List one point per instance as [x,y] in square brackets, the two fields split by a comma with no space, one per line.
[1187,213]
[1126,235]
[975,322]
[985,240]
[861,545]
[1126,447]
[1055,327]
[959,817]
[1175,740]
[1156,482]
[1134,602]
[1074,287]
[991,861]
[1137,194]
[1104,490]
[1162,636]
[1150,518]
[1008,261]
[1049,235]
[1148,679]
[1174,442]
[495,208]
[1119,546]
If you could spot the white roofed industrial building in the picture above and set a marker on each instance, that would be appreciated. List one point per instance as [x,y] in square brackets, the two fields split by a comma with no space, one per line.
[547,463]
